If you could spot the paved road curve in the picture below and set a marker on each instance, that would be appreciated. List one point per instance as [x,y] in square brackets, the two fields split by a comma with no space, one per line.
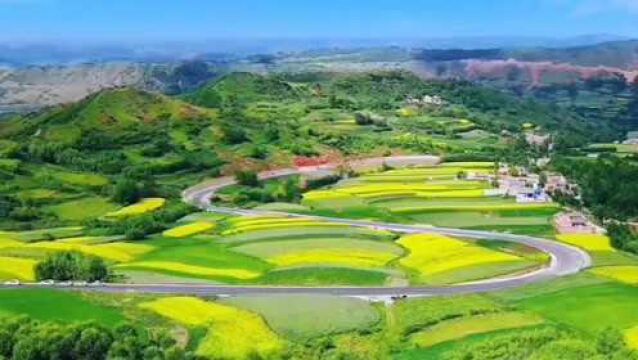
[565,259]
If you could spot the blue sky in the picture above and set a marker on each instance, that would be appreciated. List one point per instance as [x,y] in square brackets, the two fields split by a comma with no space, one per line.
[205,19]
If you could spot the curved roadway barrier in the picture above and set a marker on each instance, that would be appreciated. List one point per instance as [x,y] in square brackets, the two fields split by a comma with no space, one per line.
[565,259]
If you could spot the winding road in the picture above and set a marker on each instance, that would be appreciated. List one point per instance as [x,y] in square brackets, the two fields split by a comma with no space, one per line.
[565,259]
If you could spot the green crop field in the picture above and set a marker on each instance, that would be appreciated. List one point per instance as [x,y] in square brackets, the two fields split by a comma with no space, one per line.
[304,316]
[589,308]
[87,208]
[324,276]
[55,305]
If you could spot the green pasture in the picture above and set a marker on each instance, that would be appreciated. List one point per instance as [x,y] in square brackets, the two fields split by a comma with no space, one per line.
[276,248]
[81,209]
[324,276]
[589,308]
[301,317]
[302,233]
[412,315]
[55,305]
[196,251]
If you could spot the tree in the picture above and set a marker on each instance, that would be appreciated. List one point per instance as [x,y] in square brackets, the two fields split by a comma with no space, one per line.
[247,178]
[126,192]
[69,265]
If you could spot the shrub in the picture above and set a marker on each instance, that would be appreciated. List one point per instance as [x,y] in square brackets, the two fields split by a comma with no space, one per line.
[247,178]
[69,265]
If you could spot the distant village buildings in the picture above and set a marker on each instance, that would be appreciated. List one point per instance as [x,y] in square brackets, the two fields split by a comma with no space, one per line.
[575,222]
[426,101]
[632,138]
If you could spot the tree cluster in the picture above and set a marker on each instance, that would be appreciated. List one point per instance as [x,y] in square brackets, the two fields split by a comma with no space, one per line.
[69,265]
[26,339]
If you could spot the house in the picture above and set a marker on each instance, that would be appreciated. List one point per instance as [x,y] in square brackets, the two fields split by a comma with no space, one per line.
[559,183]
[533,196]
[574,222]
[537,140]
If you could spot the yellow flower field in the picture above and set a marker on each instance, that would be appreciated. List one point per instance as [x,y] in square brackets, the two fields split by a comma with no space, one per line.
[631,337]
[233,334]
[189,229]
[462,327]
[6,242]
[625,274]
[469,164]
[139,208]
[475,207]
[432,253]
[591,242]
[17,268]
[116,251]
[341,257]
[280,225]
[190,269]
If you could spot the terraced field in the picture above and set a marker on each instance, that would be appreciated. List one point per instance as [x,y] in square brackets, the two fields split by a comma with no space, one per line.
[232,332]
[433,195]
[274,250]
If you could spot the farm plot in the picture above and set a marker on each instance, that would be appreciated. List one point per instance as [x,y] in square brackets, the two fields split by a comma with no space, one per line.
[55,305]
[590,308]
[17,268]
[441,259]
[249,224]
[232,333]
[302,317]
[311,252]
[624,274]
[113,251]
[189,229]
[459,328]
[142,207]
[434,196]
[81,209]
[197,258]
[589,242]
[336,252]
[412,315]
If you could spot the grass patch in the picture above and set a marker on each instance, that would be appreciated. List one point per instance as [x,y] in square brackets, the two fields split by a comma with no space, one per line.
[460,328]
[339,252]
[55,305]
[589,308]
[414,314]
[82,209]
[320,276]
[303,317]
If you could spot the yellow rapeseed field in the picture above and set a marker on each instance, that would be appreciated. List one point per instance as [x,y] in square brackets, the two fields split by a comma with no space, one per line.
[280,225]
[631,337]
[191,269]
[6,242]
[342,257]
[626,274]
[591,242]
[475,207]
[116,251]
[233,334]
[17,268]
[466,326]
[141,207]
[433,253]
[189,229]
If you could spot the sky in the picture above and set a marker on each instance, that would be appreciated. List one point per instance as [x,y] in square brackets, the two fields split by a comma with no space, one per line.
[206,19]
